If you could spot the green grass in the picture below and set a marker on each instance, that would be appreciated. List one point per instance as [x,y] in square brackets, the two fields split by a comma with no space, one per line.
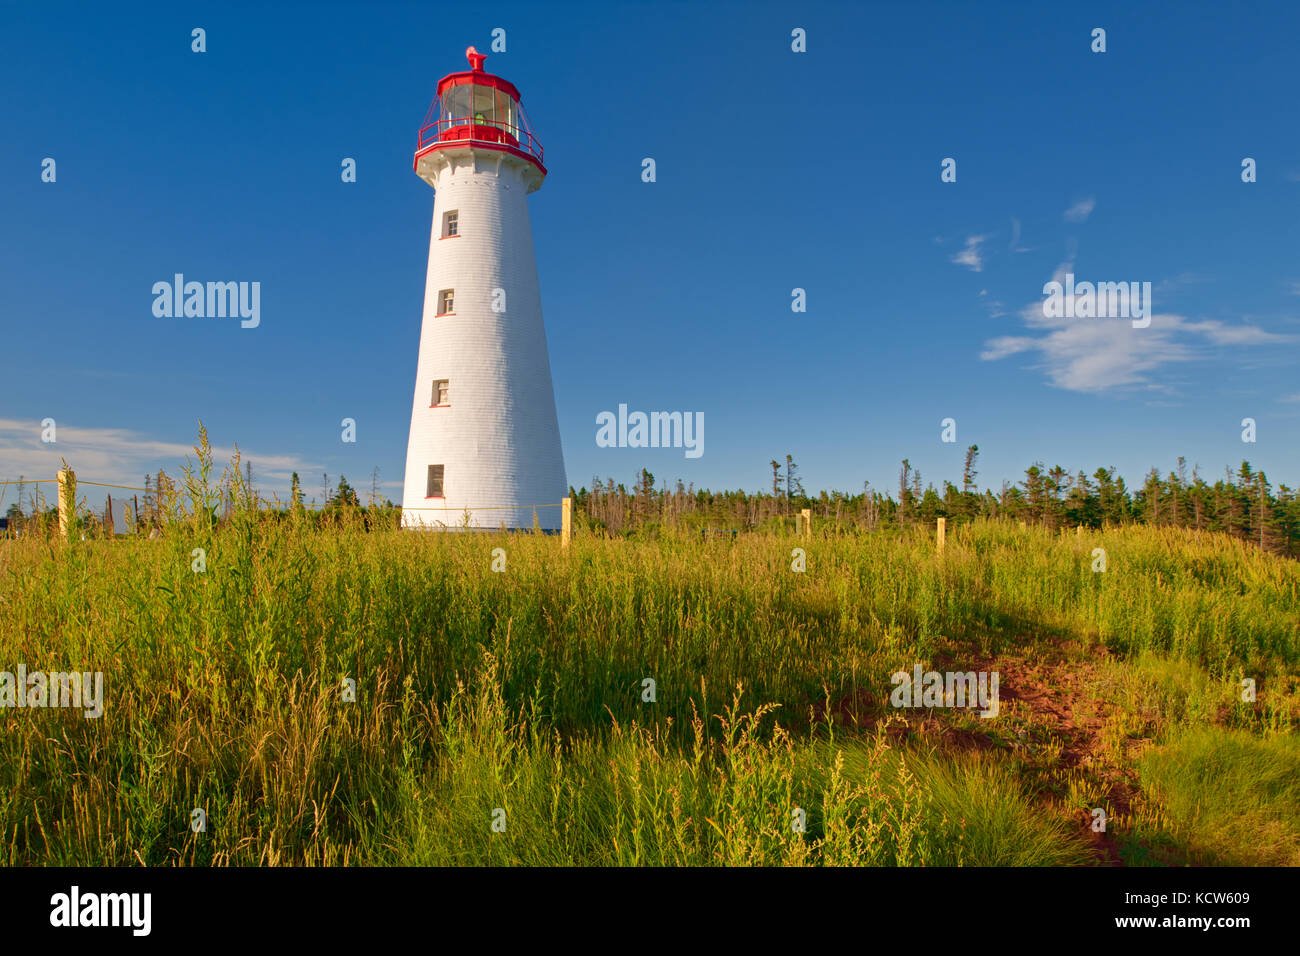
[523,691]
[1230,798]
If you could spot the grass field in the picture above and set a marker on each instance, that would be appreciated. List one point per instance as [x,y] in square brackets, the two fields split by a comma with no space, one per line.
[502,717]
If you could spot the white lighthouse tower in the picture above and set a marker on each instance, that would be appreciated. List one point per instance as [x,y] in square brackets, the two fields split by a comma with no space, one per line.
[484,434]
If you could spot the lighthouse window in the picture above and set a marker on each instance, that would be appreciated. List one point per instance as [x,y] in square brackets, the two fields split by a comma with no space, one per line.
[481,106]
[446,300]
[451,224]
[435,482]
[440,392]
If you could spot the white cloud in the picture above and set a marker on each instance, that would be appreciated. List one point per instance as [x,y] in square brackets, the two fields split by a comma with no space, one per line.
[1081,210]
[1092,355]
[1033,313]
[1221,334]
[970,255]
[1015,245]
[1006,345]
[123,457]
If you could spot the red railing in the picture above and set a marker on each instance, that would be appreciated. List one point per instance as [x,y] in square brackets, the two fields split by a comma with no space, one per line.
[465,130]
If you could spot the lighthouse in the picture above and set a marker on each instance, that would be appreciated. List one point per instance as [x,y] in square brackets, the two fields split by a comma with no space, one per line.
[484,446]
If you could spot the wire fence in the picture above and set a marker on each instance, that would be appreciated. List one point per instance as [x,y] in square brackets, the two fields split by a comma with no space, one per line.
[558,504]
[227,501]
[150,491]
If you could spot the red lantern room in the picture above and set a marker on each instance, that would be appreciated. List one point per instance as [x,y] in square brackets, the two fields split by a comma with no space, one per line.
[479,110]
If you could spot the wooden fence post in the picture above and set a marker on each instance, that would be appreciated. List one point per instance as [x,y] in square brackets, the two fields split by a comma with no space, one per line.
[941,527]
[67,499]
[806,516]
[566,521]
[108,517]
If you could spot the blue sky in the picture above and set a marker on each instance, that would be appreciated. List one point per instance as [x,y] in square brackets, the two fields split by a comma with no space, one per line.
[775,170]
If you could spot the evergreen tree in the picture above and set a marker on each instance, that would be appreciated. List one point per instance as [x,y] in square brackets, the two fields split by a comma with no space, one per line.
[344,494]
[904,491]
[793,486]
[970,493]
[1035,486]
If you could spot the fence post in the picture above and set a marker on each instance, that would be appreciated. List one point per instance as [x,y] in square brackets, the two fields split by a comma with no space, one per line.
[941,526]
[67,499]
[108,517]
[805,516]
[566,521]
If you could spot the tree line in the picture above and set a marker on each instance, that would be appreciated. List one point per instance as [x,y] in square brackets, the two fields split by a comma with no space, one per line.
[1241,503]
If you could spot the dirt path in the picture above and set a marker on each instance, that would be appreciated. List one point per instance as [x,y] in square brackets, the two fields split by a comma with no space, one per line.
[1057,694]
[1052,690]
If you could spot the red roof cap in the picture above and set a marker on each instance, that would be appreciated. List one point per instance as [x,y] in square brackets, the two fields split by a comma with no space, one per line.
[477,77]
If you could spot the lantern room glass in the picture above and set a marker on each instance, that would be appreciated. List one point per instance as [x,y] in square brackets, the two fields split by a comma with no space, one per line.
[470,103]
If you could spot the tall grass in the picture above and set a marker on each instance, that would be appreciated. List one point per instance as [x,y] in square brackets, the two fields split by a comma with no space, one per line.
[1233,798]
[524,690]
